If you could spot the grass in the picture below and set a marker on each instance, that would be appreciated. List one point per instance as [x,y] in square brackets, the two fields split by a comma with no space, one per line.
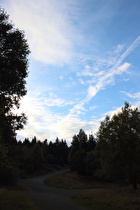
[71,180]
[97,195]
[12,199]
[109,199]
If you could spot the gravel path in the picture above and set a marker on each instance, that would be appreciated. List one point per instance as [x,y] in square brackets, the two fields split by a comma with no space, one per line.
[48,198]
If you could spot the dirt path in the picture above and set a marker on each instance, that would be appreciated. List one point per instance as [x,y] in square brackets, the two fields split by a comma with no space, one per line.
[48,198]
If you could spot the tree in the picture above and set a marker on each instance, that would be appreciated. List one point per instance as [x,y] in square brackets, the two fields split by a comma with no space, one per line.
[82,138]
[78,161]
[119,145]
[13,72]
[91,162]
[78,153]
[37,157]
[91,144]
[57,152]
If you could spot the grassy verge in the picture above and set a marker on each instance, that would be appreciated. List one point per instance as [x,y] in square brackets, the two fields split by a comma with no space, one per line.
[14,200]
[109,199]
[95,194]
[71,180]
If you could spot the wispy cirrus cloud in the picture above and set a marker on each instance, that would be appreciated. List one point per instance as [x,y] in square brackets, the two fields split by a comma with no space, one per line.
[105,77]
[56,102]
[48,28]
[134,95]
[129,50]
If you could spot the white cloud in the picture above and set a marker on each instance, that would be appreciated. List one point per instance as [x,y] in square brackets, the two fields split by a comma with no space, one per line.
[39,118]
[56,102]
[92,90]
[92,107]
[111,113]
[126,79]
[86,72]
[102,80]
[134,96]
[129,50]
[105,77]
[44,124]
[118,49]
[82,81]
[123,68]
[69,125]
[47,27]
[137,104]
[119,109]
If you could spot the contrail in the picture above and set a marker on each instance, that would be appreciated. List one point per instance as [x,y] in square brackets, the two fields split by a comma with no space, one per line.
[94,89]
[129,50]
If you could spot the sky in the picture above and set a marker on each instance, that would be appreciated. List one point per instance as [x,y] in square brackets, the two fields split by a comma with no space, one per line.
[84,63]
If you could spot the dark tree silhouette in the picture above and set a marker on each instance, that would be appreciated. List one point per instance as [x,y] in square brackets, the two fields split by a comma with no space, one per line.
[79,155]
[119,145]
[13,72]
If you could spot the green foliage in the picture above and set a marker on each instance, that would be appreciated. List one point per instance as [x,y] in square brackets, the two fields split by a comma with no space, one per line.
[4,156]
[13,72]
[119,145]
[78,161]
[13,58]
[115,155]
[79,153]
[91,162]
[35,156]
[58,151]
[7,171]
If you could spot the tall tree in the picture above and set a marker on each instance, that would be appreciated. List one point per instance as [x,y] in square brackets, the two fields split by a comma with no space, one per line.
[80,146]
[119,145]
[13,72]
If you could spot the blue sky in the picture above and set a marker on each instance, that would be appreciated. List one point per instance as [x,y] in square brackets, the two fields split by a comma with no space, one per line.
[84,62]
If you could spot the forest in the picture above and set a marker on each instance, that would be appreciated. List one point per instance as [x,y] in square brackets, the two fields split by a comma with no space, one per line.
[112,154]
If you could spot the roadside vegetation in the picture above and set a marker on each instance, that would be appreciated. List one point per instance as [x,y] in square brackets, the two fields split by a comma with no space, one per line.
[72,180]
[123,198]
[97,194]
[14,199]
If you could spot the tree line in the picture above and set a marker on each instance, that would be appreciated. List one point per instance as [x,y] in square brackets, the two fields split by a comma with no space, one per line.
[32,157]
[113,153]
